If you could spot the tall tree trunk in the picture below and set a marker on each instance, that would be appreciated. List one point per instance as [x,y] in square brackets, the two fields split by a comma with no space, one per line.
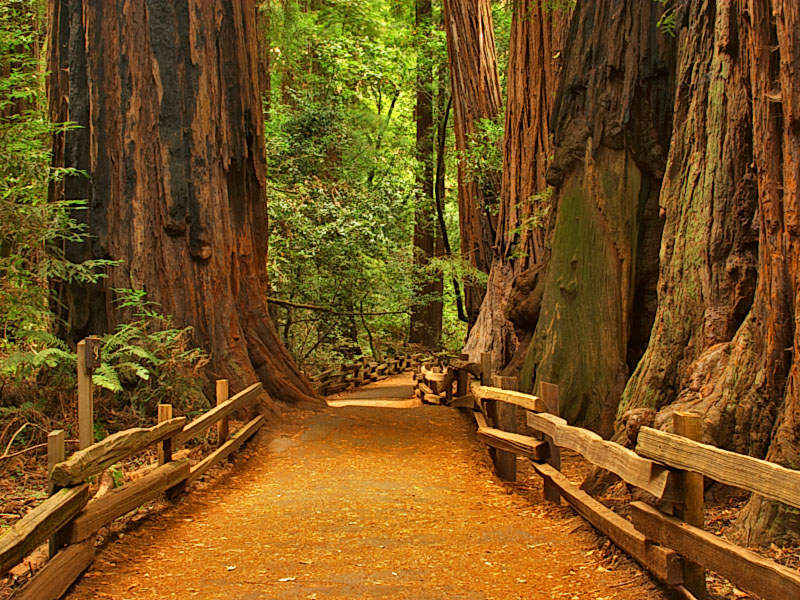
[167,99]
[510,308]
[775,52]
[725,338]
[709,199]
[263,8]
[612,122]
[426,316]
[476,96]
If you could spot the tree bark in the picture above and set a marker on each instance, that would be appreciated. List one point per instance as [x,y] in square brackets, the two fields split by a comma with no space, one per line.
[709,200]
[762,381]
[476,95]
[510,308]
[426,315]
[166,95]
[725,337]
[263,8]
[612,122]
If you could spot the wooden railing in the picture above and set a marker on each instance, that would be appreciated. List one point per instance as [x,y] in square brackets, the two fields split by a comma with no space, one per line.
[71,520]
[361,372]
[669,541]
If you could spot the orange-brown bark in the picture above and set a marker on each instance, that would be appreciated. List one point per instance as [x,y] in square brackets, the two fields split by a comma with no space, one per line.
[725,338]
[476,96]
[510,308]
[167,98]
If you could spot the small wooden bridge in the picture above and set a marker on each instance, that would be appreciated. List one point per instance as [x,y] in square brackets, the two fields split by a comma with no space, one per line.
[384,494]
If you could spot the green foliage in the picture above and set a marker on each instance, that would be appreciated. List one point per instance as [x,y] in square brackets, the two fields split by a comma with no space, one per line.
[117,475]
[667,21]
[33,231]
[147,361]
[341,145]
[340,148]
[540,209]
[483,157]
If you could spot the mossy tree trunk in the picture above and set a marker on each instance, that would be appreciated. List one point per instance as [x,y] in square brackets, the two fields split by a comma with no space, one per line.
[725,337]
[476,96]
[167,99]
[612,127]
[709,198]
[510,308]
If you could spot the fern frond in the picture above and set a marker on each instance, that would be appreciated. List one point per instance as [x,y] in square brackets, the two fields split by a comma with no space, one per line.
[106,377]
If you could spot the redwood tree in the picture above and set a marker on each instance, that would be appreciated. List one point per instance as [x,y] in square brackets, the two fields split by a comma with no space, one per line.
[476,96]
[612,122]
[426,315]
[166,96]
[510,308]
[725,338]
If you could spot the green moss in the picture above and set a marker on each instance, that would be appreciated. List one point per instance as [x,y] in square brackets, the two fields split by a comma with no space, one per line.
[581,339]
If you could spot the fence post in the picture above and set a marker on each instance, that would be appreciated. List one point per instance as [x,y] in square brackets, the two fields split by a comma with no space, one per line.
[487,406]
[165,447]
[549,395]
[486,368]
[690,425]
[462,378]
[506,416]
[223,393]
[56,453]
[85,397]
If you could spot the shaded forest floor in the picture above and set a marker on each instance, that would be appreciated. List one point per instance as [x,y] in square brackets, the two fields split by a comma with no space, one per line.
[364,502]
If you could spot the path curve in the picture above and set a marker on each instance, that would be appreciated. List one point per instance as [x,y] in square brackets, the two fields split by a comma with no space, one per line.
[362,502]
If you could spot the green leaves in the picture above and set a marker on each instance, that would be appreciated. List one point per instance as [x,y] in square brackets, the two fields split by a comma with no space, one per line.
[33,231]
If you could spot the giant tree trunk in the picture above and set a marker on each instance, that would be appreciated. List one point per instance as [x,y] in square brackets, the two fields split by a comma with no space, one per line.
[710,242]
[166,95]
[426,315]
[612,126]
[476,96]
[776,102]
[725,338]
[510,308]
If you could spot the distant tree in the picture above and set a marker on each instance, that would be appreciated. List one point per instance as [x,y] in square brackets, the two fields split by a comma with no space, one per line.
[510,309]
[426,313]
[477,103]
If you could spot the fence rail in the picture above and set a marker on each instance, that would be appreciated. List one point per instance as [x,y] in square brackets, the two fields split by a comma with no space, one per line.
[71,520]
[361,372]
[676,550]
[759,476]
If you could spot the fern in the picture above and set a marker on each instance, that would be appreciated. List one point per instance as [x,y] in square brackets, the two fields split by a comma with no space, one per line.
[106,377]
[51,357]
[144,354]
[667,22]
[43,338]
[23,364]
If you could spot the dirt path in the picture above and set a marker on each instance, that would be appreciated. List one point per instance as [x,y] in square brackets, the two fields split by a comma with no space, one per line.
[364,502]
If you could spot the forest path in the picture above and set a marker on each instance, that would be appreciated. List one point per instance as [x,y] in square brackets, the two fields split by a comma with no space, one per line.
[364,502]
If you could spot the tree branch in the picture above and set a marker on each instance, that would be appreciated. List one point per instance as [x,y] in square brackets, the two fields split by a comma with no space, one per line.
[333,311]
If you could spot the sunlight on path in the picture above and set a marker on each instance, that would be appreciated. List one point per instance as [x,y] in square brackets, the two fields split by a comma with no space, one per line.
[361,502]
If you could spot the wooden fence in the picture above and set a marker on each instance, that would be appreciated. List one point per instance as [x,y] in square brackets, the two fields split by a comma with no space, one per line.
[363,371]
[669,541]
[71,520]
